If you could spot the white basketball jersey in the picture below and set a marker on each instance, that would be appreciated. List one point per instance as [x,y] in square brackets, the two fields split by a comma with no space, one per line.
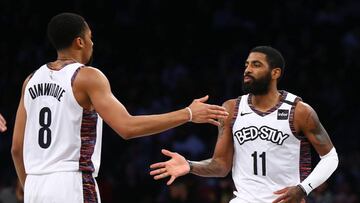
[59,134]
[268,154]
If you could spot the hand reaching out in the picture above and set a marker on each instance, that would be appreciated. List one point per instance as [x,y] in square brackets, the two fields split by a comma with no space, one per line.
[207,113]
[175,167]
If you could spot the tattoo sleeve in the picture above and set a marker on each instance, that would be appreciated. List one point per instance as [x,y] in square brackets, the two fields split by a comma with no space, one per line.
[316,133]
[220,164]
[207,168]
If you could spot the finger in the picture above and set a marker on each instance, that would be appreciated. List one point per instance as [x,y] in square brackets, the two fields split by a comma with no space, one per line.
[161,176]
[214,122]
[217,113]
[167,152]
[158,177]
[281,198]
[152,173]
[219,108]
[157,171]
[281,191]
[171,180]
[202,99]
[217,116]
[2,127]
[2,120]
[158,165]
[220,117]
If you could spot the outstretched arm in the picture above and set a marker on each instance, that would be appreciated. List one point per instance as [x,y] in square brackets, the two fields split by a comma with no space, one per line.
[2,124]
[97,89]
[218,166]
[307,122]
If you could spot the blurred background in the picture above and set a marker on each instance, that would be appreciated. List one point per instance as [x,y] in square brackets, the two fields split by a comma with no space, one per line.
[159,55]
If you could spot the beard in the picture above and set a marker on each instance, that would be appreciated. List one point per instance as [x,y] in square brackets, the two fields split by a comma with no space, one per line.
[257,86]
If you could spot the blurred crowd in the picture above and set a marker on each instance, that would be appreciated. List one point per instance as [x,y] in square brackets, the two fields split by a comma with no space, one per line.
[160,55]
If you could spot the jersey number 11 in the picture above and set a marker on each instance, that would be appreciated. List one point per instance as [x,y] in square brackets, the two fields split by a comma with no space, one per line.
[263,162]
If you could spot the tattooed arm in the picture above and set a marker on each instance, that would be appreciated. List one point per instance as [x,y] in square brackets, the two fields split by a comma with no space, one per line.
[218,166]
[221,162]
[308,123]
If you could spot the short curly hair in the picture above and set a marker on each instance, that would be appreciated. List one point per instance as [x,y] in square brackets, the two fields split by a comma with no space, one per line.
[273,57]
[64,28]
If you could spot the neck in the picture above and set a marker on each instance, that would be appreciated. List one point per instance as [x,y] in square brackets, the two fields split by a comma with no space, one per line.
[67,55]
[65,58]
[266,101]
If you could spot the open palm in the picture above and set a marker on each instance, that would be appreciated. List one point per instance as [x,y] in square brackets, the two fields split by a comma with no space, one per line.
[175,167]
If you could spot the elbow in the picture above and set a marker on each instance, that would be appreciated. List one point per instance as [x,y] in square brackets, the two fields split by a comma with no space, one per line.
[128,129]
[126,134]
[331,158]
[16,152]
[223,173]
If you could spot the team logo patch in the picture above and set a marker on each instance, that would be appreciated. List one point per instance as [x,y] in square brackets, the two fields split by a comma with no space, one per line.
[283,114]
[264,132]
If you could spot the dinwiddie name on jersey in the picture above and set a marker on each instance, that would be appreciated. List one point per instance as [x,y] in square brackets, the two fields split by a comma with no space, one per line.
[46,89]
[264,132]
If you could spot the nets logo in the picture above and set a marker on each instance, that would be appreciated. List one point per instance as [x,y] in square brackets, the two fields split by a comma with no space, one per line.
[283,114]
[264,133]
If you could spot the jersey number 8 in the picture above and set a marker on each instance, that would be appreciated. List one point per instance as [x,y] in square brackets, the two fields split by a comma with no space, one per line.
[45,122]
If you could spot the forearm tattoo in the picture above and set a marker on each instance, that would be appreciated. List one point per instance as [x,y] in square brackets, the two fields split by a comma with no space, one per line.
[206,168]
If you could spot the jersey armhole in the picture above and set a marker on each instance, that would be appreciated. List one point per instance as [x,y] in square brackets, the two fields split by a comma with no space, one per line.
[236,110]
[74,100]
[32,74]
[292,119]
[75,74]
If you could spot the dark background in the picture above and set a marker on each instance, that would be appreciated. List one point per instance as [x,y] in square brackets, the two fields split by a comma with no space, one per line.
[159,55]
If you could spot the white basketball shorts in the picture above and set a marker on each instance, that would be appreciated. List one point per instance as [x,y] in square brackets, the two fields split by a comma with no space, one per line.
[61,187]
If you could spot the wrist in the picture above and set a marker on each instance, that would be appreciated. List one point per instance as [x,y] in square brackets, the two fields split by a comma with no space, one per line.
[190,113]
[191,166]
[302,189]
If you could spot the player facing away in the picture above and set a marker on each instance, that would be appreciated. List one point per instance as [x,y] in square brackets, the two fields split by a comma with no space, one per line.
[58,129]
[265,141]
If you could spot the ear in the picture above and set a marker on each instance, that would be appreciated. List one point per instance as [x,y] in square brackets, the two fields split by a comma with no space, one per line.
[276,73]
[78,42]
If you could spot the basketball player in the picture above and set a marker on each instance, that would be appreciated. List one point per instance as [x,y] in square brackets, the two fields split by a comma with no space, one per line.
[57,134]
[2,124]
[265,140]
